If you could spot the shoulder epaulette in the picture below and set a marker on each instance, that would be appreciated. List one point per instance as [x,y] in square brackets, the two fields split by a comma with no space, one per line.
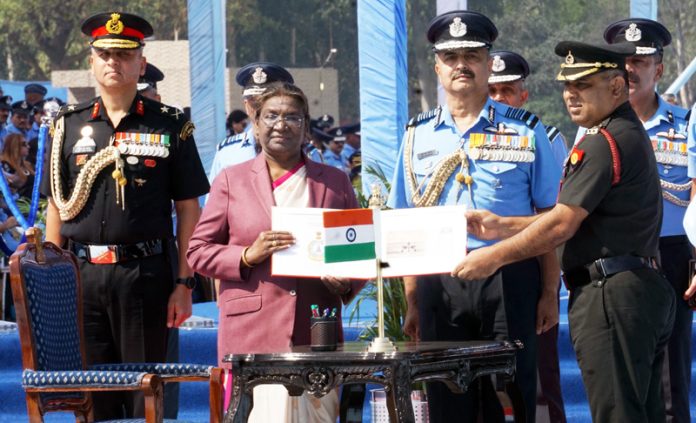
[528,118]
[424,116]
[72,108]
[232,139]
[552,132]
[680,112]
[164,109]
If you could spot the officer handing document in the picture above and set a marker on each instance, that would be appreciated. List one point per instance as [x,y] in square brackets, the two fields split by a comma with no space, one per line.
[606,226]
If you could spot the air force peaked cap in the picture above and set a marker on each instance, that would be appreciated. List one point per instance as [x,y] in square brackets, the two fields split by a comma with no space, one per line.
[255,76]
[35,89]
[150,78]
[21,107]
[6,102]
[507,67]
[586,59]
[117,30]
[648,36]
[461,29]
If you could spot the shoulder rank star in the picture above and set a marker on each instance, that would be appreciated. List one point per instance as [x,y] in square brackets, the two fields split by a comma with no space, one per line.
[164,109]
[576,156]
[501,129]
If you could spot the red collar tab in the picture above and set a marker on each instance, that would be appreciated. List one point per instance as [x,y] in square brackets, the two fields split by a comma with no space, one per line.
[95,110]
[140,108]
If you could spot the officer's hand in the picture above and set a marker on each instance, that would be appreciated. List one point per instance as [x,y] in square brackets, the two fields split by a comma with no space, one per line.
[267,243]
[483,224]
[179,306]
[411,328]
[478,264]
[691,291]
[337,286]
[547,312]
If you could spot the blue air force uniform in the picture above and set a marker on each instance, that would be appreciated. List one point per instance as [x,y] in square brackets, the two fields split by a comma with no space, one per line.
[335,160]
[667,129]
[233,150]
[691,144]
[558,144]
[512,185]
[509,180]
[504,164]
[254,78]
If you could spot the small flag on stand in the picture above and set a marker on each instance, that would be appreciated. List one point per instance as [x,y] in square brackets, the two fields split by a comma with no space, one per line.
[349,235]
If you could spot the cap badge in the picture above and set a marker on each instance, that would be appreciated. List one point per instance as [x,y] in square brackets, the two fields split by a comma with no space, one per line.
[24,105]
[259,76]
[457,28]
[498,64]
[114,25]
[569,58]
[633,33]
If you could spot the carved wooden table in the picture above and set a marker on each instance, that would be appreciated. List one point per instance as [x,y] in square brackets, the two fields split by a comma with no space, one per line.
[300,369]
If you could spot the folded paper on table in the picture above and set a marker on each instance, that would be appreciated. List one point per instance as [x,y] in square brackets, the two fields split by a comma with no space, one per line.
[416,241]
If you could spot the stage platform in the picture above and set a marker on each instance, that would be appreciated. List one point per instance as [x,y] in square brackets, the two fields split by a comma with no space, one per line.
[198,345]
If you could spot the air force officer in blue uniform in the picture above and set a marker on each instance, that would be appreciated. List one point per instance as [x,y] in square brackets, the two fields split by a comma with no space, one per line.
[474,151]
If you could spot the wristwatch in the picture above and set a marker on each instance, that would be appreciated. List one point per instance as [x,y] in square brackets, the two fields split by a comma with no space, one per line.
[189,282]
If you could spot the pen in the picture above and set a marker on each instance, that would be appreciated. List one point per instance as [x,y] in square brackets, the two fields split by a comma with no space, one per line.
[315,310]
[333,312]
[326,312]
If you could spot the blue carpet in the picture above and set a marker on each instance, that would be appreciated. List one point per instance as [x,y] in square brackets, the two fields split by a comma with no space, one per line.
[198,345]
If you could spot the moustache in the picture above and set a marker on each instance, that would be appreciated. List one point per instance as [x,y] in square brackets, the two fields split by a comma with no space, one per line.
[464,72]
[633,78]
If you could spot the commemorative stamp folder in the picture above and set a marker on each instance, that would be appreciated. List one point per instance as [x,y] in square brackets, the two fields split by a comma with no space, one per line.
[350,243]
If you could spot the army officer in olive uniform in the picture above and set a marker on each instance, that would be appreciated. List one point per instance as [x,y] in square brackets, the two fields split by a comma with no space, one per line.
[117,163]
[607,227]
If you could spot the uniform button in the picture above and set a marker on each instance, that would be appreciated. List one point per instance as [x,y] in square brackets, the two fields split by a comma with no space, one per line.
[293,292]
[495,168]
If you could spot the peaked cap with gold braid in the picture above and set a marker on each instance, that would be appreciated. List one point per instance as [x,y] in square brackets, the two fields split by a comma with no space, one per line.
[117,30]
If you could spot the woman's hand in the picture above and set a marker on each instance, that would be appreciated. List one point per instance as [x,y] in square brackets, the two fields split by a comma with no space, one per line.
[267,243]
[338,286]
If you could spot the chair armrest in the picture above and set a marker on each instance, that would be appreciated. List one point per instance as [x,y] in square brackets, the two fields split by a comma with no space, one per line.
[96,380]
[82,380]
[169,372]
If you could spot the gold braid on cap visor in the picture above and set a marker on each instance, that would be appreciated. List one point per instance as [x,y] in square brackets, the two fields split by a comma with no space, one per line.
[115,43]
[594,67]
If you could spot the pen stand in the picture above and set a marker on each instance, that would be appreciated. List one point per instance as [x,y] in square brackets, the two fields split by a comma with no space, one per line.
[323,333]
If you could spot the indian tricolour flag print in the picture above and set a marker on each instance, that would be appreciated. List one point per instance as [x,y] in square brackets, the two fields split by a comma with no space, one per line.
[349,235]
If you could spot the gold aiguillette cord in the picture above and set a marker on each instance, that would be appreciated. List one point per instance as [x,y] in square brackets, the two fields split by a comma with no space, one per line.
[120,180]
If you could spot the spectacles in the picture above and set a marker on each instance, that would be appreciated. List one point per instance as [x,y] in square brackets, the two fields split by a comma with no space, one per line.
[293,121]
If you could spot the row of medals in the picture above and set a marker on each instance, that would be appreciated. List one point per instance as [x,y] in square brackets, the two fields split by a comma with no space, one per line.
[671,158]
[126,147]
[86,144]
[501,154]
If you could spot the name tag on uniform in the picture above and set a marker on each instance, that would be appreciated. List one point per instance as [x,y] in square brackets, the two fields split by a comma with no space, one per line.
[426,154]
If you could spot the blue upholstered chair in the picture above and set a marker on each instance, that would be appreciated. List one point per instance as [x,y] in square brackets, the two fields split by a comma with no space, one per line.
[46,289]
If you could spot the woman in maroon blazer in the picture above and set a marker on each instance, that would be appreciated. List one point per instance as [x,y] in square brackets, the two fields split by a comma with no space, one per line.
[233,240]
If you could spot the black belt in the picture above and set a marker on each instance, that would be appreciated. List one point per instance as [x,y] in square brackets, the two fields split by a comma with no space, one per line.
[673,240]
[602,268]
[110,254]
